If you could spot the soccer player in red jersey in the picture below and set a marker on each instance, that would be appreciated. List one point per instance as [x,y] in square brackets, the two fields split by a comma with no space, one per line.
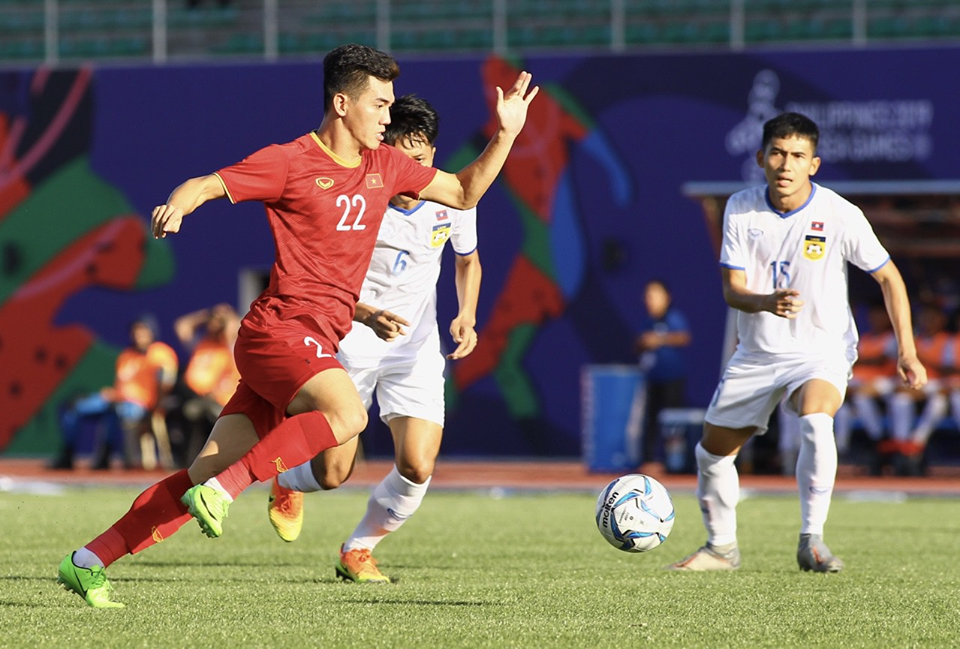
[325,194]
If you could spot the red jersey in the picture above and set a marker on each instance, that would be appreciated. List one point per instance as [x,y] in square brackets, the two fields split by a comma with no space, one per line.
[325,214]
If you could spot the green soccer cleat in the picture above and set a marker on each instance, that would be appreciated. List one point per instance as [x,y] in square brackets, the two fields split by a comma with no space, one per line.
[208,506]
[89,583]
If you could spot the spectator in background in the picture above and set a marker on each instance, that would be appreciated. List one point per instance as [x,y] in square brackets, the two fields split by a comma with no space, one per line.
[874,381]
[145,372]
[210,378]
[663,334]
[936,349]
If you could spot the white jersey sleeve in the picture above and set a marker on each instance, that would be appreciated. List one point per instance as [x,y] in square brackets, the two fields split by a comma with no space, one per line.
[732,251]
[862,248]
[463,238]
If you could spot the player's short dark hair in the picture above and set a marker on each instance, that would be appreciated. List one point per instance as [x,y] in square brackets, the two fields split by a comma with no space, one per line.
[787,125]
[412,120]
[347,69]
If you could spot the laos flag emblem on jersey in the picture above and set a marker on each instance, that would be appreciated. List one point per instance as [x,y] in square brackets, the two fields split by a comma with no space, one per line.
[442,215]
[814,247]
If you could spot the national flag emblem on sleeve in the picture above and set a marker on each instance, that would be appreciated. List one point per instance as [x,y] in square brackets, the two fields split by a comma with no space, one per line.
[816,226]
[374,181]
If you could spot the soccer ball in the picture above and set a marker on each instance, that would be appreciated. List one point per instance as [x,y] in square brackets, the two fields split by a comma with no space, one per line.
[635,513]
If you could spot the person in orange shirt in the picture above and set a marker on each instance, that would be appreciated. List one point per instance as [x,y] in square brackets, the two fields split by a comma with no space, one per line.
[145,372]
[210,378]
[874,379]
[936,350]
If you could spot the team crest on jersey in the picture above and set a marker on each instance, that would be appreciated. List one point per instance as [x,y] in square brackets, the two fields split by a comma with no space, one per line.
[324,183]
[439,235]
[814,247]
[374,181]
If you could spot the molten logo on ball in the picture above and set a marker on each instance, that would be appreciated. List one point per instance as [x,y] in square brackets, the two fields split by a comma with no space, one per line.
[635,513]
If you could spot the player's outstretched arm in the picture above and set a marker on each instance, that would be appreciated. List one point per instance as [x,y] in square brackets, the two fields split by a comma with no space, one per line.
[464,189]
[462,328]
[911,370]
[182,201]
[783,302]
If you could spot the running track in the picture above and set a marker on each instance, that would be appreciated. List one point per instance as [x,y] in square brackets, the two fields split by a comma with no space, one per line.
[569,475]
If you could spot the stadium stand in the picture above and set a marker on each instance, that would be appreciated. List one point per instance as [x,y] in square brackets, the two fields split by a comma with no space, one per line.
[173,30]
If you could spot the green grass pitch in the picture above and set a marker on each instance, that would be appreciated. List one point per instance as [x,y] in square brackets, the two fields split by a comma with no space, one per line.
[521,570]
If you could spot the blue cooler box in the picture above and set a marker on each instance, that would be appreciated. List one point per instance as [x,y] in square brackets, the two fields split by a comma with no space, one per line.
[680,430]
[612,403]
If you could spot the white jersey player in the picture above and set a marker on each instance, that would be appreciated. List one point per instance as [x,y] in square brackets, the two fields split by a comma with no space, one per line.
[393,351]
[784,259]
[807,250]
[402,279]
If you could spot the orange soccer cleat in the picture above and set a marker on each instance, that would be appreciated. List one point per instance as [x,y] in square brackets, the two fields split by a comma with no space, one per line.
[285,508]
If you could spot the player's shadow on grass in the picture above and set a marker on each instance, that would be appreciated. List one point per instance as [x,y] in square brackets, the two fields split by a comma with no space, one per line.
[16,605]
[201,563]
[148,574]
[422,602]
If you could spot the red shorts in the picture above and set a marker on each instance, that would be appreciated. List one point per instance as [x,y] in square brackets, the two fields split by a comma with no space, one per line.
[274,364]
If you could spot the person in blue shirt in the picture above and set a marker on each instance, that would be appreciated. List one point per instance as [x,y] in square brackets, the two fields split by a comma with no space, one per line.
[663,335]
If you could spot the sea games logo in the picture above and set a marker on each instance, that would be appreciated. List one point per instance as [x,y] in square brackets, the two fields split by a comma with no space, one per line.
[857,132]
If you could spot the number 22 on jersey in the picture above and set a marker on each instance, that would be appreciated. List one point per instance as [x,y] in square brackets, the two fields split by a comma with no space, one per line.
[357,203]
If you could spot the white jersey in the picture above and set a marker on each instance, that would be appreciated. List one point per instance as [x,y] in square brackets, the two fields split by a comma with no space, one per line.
[403,275]
[807,250]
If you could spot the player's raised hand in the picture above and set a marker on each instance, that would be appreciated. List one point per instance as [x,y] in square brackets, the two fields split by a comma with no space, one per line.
[388,326]
[912,371]
[786,304]
[512,105]
[465,336]
[166,218]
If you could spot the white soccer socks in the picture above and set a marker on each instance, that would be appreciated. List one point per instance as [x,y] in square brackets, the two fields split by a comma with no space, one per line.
[933,413]
[816,471]
[392,502]
[868,412]
[718,490]
[299,478]
[84,558]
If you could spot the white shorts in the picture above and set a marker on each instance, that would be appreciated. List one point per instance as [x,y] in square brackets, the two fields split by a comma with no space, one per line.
[406,386]
[751,388]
